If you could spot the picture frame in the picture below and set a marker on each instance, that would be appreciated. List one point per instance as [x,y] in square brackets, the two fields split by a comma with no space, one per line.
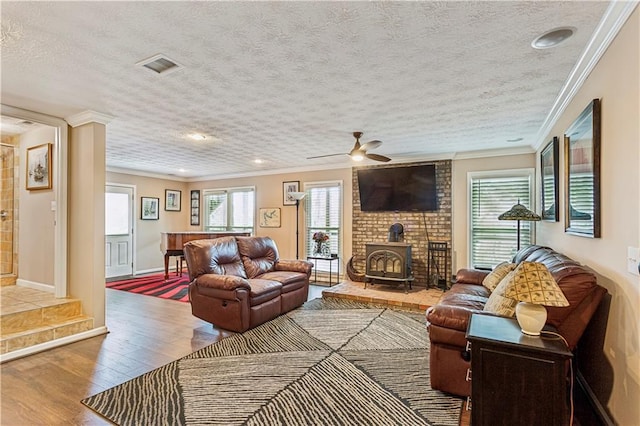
[582,173]
[39,167]
[149,208]
[269,217]
[172,200]
[287,189]
[549,185]
[195,207]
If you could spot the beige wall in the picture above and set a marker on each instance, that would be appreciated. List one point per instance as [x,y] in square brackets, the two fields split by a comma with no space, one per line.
[615,80]
[460,197]
[36,219]
[268,194]
[86,275]
[148,256]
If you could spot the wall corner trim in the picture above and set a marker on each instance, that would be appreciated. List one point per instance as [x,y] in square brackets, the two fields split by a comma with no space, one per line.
[88,116]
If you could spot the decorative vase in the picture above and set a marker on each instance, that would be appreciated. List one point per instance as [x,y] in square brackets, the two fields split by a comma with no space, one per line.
[321,248]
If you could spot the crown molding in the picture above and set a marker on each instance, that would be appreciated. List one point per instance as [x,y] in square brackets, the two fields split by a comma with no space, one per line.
[87,117]
[612,21]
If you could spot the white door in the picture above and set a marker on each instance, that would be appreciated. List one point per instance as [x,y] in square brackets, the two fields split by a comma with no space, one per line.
[118,230]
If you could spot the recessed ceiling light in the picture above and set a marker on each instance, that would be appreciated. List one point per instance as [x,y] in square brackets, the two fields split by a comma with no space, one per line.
[198,136]
[515,140]
[553,38]
[258,161]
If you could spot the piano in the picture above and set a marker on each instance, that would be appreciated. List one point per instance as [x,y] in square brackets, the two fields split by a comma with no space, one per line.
[172,243]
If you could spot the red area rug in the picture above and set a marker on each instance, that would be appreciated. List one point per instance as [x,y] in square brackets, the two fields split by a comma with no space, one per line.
[175,288]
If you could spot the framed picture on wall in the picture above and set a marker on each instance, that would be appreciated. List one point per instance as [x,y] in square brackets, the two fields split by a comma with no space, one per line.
[549,167]
[582,173]
[172,200]
[270,217]
[39,167]
[287,189]
[150,208]
[195,207]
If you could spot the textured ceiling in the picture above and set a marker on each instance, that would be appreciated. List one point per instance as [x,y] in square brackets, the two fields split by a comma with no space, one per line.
[282,81]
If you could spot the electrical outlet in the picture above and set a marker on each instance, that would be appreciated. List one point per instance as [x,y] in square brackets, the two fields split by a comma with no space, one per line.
[633,260]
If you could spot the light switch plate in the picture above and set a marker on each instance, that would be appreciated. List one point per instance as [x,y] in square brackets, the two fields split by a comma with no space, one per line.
[633,260]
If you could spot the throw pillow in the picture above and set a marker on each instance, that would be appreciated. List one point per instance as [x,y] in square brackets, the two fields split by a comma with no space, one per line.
[497,303]
[492,280]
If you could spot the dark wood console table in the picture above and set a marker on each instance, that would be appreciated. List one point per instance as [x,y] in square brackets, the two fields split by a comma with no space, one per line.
[172,243]
[515,378]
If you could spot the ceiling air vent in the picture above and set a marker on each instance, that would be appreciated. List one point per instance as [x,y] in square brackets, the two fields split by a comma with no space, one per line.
[160,64]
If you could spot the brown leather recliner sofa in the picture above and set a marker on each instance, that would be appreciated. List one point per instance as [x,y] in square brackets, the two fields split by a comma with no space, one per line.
[447,320]
[238,283]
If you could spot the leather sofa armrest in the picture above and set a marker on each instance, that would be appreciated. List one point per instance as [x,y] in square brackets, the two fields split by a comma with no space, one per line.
[471,276]
[450,316]
[294,266]
[222,282]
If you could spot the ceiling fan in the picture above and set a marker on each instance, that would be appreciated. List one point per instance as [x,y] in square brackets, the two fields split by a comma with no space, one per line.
[359,151]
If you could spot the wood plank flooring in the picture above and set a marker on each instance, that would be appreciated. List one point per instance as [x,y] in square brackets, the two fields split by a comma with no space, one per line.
[145,333]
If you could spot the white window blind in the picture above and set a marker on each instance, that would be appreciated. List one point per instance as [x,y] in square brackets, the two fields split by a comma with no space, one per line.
[229,210]
[492,240]
[323,211]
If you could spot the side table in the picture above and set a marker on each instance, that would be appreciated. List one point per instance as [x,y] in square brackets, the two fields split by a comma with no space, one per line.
[516,378]
[330,260]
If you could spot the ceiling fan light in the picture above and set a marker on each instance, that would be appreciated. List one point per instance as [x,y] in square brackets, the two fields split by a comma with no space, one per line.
[357,156]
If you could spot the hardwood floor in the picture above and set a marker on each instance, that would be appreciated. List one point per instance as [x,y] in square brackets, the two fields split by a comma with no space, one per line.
[144,333]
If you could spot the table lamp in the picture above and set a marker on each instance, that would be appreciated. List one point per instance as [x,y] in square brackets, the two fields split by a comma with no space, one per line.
[534,287]
[298,196]
[519,212]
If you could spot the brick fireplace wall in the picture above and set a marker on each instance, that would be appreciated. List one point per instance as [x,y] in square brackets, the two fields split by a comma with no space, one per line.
[371,227]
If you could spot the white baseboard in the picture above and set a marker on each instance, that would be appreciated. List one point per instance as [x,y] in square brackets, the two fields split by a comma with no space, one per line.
[36,286]
[53,344]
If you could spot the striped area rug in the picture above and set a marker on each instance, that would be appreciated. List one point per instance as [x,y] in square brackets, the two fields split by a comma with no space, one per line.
[329,362]
[175,288]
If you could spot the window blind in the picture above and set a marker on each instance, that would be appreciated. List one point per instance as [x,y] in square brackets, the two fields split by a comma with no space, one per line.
[492,240]
[229,210]
[323,213]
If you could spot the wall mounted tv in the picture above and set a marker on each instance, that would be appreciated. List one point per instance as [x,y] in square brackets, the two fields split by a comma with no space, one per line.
[407,188]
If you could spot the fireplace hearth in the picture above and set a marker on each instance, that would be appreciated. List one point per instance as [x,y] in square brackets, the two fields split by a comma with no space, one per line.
[389,262]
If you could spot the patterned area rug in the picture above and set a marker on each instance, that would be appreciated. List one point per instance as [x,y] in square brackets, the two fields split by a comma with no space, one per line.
[330,362]
[175,288]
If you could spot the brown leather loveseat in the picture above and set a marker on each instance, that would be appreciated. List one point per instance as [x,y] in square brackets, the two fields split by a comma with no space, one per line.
[238,283]
[448,319]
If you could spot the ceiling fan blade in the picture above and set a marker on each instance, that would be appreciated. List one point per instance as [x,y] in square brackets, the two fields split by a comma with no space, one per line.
[377,157]
[371,145]
[328,155]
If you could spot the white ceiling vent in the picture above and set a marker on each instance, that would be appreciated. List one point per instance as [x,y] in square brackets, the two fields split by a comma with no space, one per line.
[160,64]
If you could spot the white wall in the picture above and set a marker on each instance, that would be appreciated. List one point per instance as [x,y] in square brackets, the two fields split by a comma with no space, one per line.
[616,81]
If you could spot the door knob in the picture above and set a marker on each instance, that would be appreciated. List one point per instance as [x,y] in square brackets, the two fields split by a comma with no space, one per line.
[3,214]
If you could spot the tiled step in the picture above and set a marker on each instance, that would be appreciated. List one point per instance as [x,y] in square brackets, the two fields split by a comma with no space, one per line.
[30,317]
[33,336]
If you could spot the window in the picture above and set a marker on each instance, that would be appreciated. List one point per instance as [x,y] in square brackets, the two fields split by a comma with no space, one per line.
[323,210]
[492,193]
[230,209]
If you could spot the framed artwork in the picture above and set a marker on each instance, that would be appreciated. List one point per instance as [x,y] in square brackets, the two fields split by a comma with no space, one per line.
[287,189]
[582,173]
[270,217]
[549,169]
[195,207]
[150,208]
[172,200]
[39,167]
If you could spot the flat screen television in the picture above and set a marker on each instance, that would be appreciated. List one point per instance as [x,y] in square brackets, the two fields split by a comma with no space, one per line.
[409,188]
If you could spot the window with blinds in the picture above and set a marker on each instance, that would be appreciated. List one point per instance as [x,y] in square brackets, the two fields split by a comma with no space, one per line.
[323,211]
[491,240]
[229,210]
